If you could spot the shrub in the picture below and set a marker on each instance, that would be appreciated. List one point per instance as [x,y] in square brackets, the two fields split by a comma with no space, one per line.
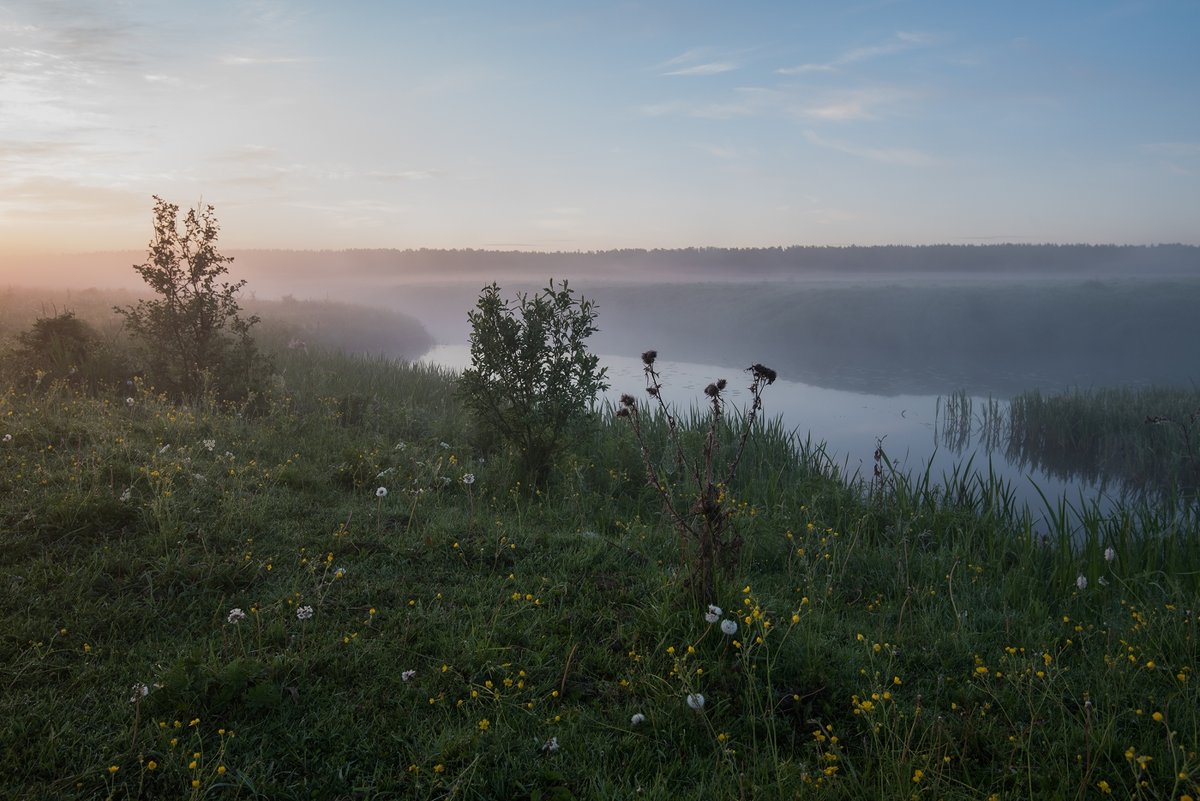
[192,337]
[63,348]
[532,379]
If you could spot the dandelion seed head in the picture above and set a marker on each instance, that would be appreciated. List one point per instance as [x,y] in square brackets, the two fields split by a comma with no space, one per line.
[381,492]
[695,701]
[713,614]
[637,719]
[8,437]
[235,615]
[129,402]
[1081,582]
[1109,554]
[468,479]
[729,627]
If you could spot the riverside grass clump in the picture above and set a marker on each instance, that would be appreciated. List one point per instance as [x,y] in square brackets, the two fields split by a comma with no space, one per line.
[209,601]
[1137,441]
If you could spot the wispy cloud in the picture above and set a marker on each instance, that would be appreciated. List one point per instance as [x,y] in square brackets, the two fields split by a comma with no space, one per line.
[867,103]
[405,175]
[710,111]
[720,152]
[255,61]
[1173,149]
[899,43]
[711,68]
[905,157]
[1180,158]
[699,61]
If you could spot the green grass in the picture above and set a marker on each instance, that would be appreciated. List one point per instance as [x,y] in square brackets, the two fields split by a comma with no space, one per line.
[899,639]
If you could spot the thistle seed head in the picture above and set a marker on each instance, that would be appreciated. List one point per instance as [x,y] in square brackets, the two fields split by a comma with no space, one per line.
[649,356]
[627,400]
[763,372]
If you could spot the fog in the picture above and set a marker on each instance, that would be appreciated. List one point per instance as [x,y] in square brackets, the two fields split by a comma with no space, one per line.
[991,320]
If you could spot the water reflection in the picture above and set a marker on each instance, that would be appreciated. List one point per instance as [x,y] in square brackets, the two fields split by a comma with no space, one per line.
[920,433]
[1103,440]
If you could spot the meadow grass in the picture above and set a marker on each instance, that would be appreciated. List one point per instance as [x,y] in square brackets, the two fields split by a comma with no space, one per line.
[347,594]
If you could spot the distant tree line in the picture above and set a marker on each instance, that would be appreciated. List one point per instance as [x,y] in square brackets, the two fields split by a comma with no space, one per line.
[752,263]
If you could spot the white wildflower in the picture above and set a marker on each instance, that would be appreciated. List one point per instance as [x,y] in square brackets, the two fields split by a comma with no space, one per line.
[637,719]
[729,627]
[8,437]
[443,445]
[164,449]
[1081,582]
[400,446]
[235,615]
[381,492]
[695,701]
[304,612]
[550,746]
[408,675]
[209,445]
[1109,554]
[126,495]
[713,614]
[129,402]
[1103,581]
[469,479]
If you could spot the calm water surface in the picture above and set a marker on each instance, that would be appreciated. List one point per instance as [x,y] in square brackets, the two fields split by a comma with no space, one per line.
[848,423]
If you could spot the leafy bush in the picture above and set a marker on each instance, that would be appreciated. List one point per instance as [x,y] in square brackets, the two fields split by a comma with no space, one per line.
[193,337]
[63,348]
[532,379]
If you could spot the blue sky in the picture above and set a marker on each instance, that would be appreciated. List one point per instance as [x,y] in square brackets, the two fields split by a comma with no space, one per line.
[571,125]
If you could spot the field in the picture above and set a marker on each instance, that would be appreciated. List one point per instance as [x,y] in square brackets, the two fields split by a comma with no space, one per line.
[343,593]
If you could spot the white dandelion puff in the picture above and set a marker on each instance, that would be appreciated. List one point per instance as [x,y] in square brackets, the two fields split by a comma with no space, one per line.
[235,615]
[1081,582]
[713,614]
[637,719]
[695,701]
[381,492]
[8,437]
[129,402]
[729,627]
[138,692]
[408,675]
[1109,554]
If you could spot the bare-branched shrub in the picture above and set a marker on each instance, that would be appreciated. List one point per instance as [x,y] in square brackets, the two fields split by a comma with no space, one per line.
[698,506]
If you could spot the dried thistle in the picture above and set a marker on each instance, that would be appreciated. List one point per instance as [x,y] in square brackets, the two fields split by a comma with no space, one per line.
[649,356]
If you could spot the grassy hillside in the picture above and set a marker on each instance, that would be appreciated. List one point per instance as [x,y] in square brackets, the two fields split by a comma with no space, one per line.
[349,596]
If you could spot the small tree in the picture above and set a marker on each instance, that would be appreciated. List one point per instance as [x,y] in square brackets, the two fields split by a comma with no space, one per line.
[192,336]
[531,378]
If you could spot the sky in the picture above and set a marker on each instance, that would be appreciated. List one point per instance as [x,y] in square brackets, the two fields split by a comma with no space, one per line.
[598,125]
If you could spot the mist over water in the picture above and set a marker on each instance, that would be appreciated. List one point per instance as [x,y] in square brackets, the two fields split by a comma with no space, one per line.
[865,340]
